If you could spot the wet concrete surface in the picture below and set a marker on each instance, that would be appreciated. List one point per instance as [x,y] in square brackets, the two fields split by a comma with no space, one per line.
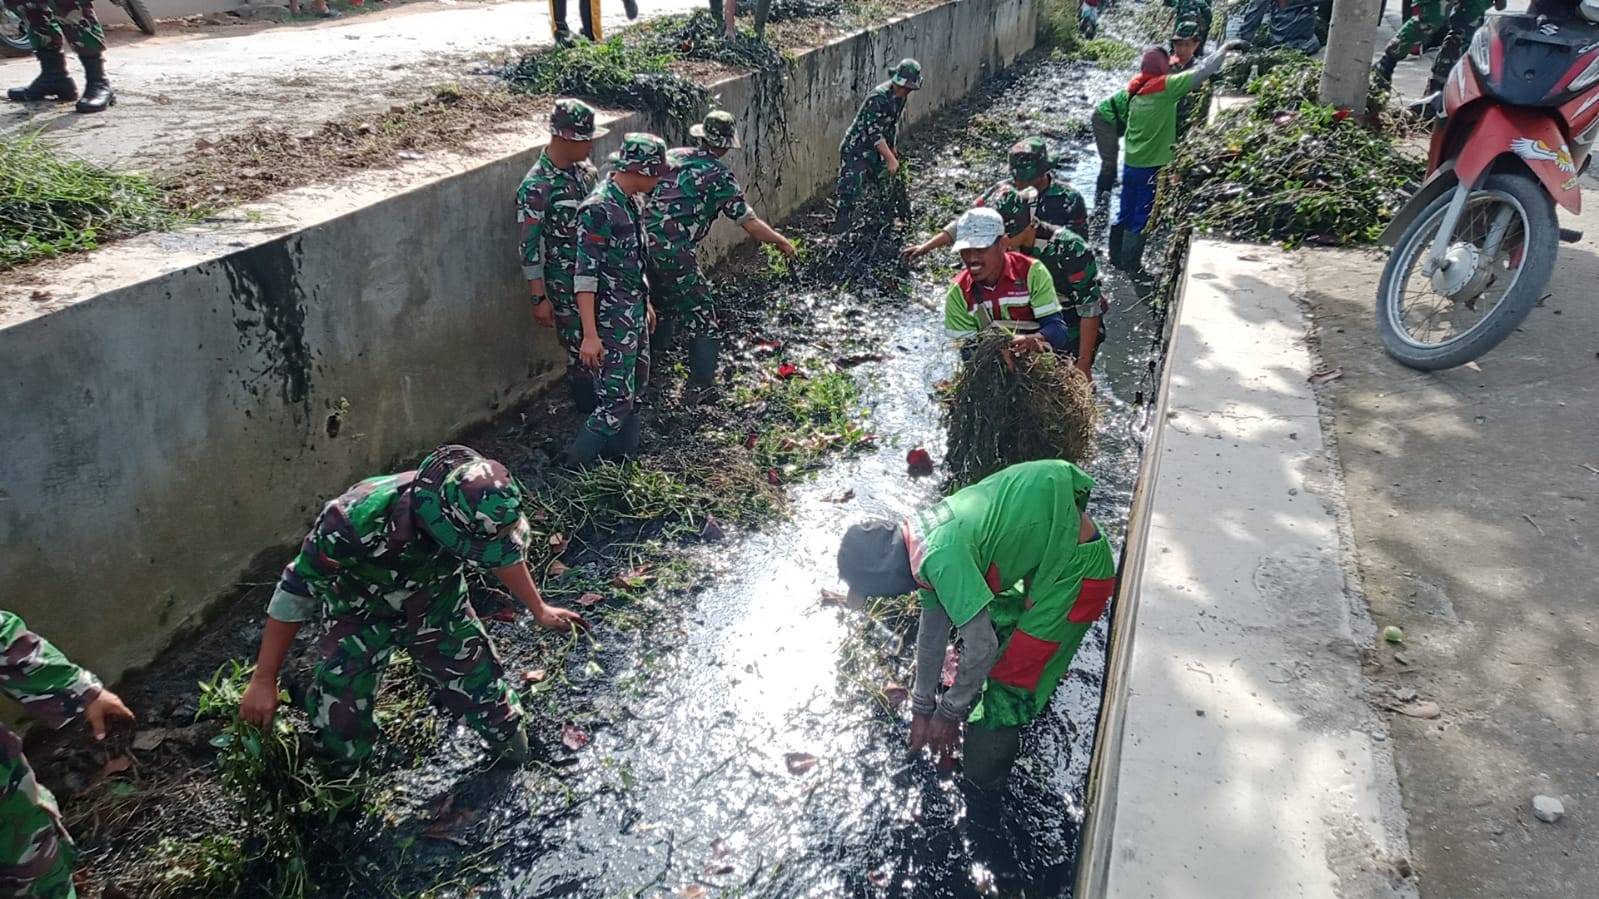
[1474,497]
[689,786]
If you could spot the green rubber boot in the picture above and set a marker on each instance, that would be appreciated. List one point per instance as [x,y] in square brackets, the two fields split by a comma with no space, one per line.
[665,332]
[625,444]
[516,748]
[1133,253]
[585,448]
[582,390]
[703,355]
[1118,235]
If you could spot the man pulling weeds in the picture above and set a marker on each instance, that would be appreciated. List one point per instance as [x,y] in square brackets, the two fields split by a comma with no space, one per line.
[1031,168]
[386,564]
[546,209]
[868,157]
[613,298]
[696,187]
[36,852]
[1017,567]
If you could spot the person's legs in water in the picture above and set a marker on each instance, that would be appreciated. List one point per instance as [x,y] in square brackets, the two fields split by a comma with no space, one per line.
[987,755]
[1108,142]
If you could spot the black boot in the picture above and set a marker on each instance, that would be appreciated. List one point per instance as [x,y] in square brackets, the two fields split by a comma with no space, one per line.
[1133,253]
[53,82]
[665,332]
[563,34]
[703,355]
[581,389]
[1102,186]
[625,444]
[1382,72]
[97,94]
[585,448]
[1118,235]
[631,8]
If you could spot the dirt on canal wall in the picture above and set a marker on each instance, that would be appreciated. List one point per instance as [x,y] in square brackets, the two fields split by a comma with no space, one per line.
[722,731]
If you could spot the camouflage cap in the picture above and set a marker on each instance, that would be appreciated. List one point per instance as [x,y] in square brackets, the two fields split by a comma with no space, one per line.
[1014,206]
[1185,31]
[908,74]
[472,506]
[641,154]
[1029,159]
[574,120]
[716,131]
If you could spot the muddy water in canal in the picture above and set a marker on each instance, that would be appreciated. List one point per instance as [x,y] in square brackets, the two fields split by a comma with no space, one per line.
[702,784]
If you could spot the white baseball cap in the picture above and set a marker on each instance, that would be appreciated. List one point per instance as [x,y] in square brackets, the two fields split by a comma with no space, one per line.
[978,229]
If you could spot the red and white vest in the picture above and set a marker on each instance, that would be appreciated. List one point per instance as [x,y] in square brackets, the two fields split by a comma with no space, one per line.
[1006,300]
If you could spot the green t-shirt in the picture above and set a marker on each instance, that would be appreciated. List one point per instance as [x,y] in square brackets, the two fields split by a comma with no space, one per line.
[1023,285]
[1113,109]
[1017,525]
[1152,122]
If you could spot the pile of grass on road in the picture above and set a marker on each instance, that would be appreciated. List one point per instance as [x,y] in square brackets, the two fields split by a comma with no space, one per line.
[51,204]
[1286,170]
[1003,409]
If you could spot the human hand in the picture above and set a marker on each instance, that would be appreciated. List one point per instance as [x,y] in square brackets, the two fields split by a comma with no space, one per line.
[1086,366]
[556,618]
[260,701]
[544,312]
[913,253]
[106,706]
[893,165]
[939,735]
[591,352]
[786,247]
[1022,344]
[649,316]
[1236,45]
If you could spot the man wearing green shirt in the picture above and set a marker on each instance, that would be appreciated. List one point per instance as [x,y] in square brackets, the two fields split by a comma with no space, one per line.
[1015,565]
[997,287]
[1109,121]
[1152,98]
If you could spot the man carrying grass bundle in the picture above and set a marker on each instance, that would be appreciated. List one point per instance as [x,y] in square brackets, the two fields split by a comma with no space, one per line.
[1014,564]
[386,565]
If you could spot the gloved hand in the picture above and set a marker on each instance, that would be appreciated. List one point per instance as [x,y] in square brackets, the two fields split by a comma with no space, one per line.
[1239,45]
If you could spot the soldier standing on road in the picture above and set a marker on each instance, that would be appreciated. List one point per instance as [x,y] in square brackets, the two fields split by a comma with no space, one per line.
[1055,202]
[52,24]
[613,298]
[546,208]
[867,157]
[1431,22]
[696,187]
[36,852]
[588,12]
[1017,567]
[386,564]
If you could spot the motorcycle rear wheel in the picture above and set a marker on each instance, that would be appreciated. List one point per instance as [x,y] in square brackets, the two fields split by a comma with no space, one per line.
[139,13]
[1509,231]
[13,40]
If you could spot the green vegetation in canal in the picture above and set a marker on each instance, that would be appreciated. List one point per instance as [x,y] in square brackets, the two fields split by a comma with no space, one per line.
[51,204]
[1002,409]
[1105,51]
[1286,170]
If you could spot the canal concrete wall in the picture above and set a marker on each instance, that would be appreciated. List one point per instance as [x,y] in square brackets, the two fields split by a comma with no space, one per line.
[177,407]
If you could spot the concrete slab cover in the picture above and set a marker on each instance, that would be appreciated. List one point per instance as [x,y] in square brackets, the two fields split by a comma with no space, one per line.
[1251,765]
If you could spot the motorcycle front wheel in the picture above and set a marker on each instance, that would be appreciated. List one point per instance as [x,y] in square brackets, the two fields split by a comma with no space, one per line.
[13,40]
[1499,261]
[139,13]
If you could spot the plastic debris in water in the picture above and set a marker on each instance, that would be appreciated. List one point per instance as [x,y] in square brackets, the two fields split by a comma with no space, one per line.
[799,762]
[919,461]
[590,599]
[573,737]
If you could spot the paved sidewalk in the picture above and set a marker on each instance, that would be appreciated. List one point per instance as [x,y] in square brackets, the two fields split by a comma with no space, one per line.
[177,88]
[1474,497]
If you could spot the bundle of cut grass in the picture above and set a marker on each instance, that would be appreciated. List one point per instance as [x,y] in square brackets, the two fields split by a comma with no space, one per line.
[1003,409]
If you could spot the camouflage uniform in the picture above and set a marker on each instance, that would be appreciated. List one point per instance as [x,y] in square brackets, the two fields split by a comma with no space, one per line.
[1058,203]
[1067,258]
[1451,26]
[610,264]
[36,853]
[546,209]
[861,167]
[1197,11]
[51,22]
[696,187]
[385,563]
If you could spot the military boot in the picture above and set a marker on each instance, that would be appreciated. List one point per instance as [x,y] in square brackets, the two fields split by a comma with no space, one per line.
[582,391]
[585,448]
[97,94]
[665,332]
[1133,253]
[516,748]
[53,82]
[625,444]
[1382,71]
[703,355]
[1118,236]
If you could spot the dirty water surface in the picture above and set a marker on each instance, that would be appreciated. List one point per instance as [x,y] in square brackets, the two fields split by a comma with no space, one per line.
[752,761]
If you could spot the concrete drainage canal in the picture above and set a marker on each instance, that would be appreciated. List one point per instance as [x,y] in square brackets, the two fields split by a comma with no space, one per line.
[735,736]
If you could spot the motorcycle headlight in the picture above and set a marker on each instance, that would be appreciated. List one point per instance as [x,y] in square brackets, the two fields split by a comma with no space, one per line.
[1589,75]
[1479,51]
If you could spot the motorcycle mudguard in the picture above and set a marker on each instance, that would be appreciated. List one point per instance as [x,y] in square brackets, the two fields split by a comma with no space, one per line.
[1531,135]
[1440,182]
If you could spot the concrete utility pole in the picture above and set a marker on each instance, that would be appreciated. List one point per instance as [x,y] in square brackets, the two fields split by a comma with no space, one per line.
[1351,40]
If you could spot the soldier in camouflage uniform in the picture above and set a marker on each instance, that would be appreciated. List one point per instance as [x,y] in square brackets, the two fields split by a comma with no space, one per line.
[546,208]
[386,565]
[613,297]
[1200,13]
[36,853]
[50,25]
[1433,20]
[867,157]
[1055,202]
[1071,266]
[696,188]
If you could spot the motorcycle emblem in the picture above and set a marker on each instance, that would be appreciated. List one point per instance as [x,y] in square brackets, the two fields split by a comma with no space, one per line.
[1538,151]
[1549,28]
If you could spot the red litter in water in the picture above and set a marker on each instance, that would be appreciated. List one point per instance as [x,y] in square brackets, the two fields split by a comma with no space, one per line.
[786,370]
[751,440]
[771,475]
[919,461]
[573,737]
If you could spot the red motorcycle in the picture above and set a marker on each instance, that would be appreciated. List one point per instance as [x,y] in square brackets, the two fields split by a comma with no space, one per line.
[1474,248]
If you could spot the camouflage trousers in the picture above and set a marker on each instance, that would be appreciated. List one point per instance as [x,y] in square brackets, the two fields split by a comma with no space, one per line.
[861,177]
[451,651]
[624,369]
[680,288]
[36,854]
[49,22]
[568,326]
